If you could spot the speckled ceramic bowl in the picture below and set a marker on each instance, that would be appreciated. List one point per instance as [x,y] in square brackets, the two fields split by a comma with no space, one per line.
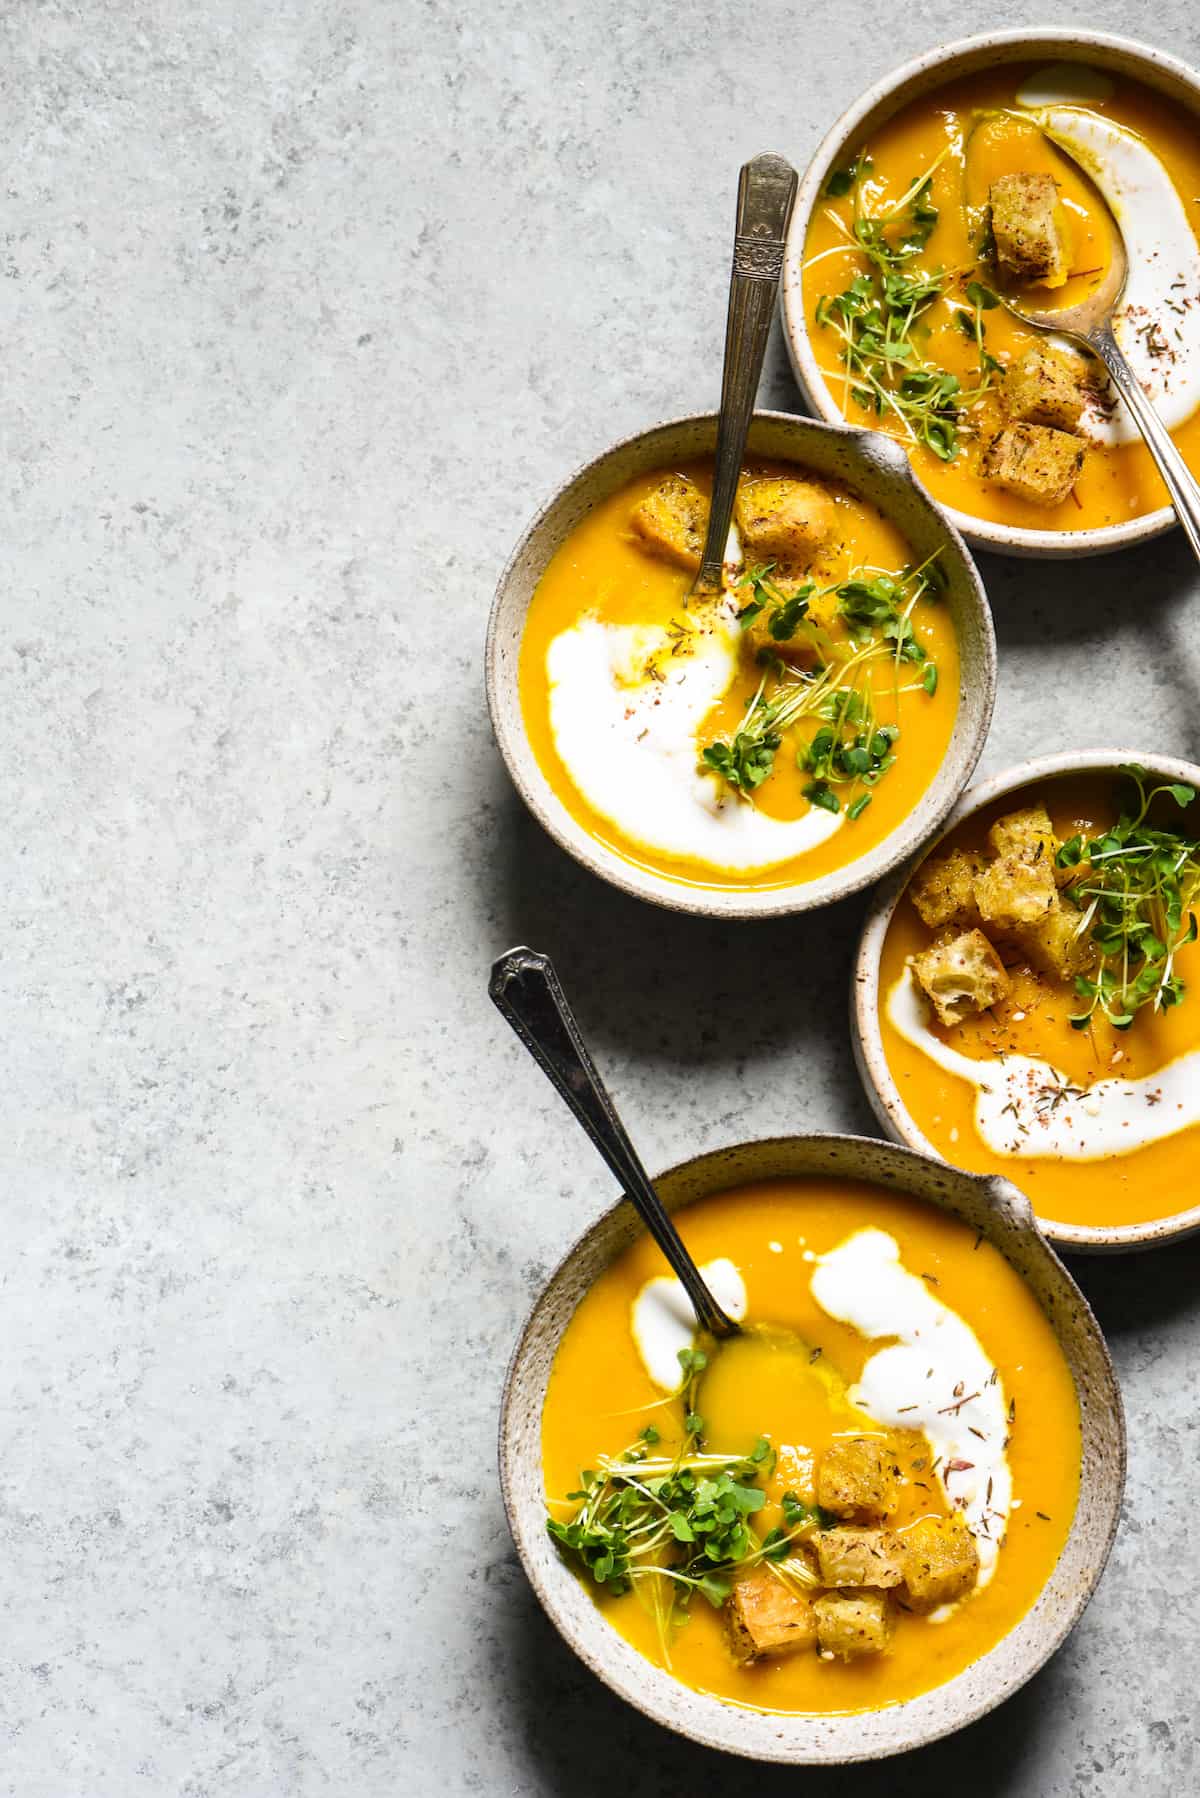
[876,1075]
[946,62]
[870,465]
[1003,1215]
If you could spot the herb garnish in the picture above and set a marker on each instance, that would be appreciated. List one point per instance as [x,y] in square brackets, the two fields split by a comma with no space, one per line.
[749,757]
[842,180]
[852,749]
[981,299]
[1136,887]
[834,759]
[879,316]
[682,1522]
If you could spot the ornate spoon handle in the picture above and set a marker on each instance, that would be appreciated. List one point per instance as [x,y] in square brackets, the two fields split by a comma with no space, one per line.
[525,988]
[766,191]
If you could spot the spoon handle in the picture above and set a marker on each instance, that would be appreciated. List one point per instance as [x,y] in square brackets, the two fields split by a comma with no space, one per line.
[1180,482]
[766,191]
[525,988]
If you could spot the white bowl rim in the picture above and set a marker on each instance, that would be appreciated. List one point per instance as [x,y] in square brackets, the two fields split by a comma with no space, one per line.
[867,1037]
[736,903]
[1003,1193]
[979,532]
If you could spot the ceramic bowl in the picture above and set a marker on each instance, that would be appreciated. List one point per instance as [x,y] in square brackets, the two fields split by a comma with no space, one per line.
[872,466]
[867,1037]
[1003,1215]
[945,62]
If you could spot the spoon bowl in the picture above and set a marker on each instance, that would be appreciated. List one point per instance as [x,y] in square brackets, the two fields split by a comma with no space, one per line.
[1095,312]
[1090,325]
[872,468]
[998,1212]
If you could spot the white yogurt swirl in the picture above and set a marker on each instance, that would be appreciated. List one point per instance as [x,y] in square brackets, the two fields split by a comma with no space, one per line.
[1027,1108]
[663,1322]
[628,739]
[1158,321]
[933,1377]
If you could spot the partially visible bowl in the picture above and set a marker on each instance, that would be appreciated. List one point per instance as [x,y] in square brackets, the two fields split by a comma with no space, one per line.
[870,465]
[1002,1214]
[867,1036]
[922,75]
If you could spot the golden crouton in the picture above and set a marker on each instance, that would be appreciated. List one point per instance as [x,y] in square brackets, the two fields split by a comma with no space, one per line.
[1035,463]
[1045,387]
[1053,944]
[940,1562]
[1027,834]
[858,1478]
[1011,890]
[852,1623]
[672,521]
[784,521]
[943,890]
[849,1557]
[767,1617]
[1029,229]
[961,975]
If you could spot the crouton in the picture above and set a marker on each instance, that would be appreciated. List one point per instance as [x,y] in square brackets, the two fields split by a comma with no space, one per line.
[943,890]
[784,521]
[940,1562]
[848,1557]
[961,975]
[1011,891]
[1053,944]
[1034,462]
[1045,387]
[852,1623]
[1029,229]
[672,521]
[858,1478]
[767,1617]
[1027,834]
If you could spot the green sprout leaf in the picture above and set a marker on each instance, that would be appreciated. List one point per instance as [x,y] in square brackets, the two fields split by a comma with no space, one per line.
[880,324]
[1135,887]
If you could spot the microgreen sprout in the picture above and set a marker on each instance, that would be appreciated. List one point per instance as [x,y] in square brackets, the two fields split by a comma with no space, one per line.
[851,749]
[879,318]
[682,1521]
[1135,887]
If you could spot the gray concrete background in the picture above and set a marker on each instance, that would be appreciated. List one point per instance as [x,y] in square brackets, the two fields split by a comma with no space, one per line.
[305,307]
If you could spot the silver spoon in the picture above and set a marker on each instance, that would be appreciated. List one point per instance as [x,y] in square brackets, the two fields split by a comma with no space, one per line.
[1090,325]
[525,988]
[766,192]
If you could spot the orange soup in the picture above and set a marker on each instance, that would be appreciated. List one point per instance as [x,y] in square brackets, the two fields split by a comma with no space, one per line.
[1040,1004]
[975,190]
[847,1504]
[771,732]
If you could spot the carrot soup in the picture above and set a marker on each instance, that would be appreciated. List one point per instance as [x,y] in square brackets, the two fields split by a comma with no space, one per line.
[848,1503]
[771,732]
[1006,184]
[1040,997]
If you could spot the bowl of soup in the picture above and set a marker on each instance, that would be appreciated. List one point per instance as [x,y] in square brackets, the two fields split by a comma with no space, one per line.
[997,164]
[863,1521]
[774,746]
[1027,999]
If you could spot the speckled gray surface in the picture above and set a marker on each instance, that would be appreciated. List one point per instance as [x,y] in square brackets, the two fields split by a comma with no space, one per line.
[306,307]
